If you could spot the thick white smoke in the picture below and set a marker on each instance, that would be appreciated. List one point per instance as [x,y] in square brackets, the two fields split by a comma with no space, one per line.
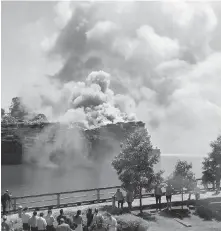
[163,60]
[91,103]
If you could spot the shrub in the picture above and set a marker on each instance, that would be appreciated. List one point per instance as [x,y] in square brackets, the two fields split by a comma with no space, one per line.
[204,212]
[129,222]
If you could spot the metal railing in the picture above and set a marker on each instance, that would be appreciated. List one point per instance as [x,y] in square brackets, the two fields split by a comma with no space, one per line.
[70,198]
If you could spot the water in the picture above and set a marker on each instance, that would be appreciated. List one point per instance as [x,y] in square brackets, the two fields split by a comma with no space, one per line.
[28,180]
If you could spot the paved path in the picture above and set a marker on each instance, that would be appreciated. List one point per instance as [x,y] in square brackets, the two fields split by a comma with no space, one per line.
[169,224]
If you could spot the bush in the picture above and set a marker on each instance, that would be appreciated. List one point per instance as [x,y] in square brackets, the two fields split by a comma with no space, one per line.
[114,211]
[129,222]
[204,212]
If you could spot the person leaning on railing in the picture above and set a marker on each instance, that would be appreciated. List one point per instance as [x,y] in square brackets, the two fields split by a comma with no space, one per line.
[119,198]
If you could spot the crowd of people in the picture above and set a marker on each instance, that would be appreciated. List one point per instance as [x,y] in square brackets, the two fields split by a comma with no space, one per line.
[94,220]
[39,222]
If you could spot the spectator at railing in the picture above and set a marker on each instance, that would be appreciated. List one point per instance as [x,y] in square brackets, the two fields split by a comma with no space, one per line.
[169,191]
[119,198]
[41,223]
[61,216]
[33,222]
[50,221]
[77,219]
[6,200]
[158,194]
[63,226]
[129,199]
[25,216]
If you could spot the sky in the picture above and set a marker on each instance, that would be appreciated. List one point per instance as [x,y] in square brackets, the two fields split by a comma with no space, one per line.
[162,58]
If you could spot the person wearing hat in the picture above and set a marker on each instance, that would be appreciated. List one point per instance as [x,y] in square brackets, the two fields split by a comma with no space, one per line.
[63,226]
[5,224]
[6,198]
[25,219]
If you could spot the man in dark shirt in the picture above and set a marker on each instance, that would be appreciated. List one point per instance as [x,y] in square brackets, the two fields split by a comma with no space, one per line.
[61,216]
[6,198]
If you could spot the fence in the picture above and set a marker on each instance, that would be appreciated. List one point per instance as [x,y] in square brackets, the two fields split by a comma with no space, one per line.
[64,199]
[69,198]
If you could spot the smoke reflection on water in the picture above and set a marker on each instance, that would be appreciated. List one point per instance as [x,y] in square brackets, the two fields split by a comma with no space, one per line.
[28,179]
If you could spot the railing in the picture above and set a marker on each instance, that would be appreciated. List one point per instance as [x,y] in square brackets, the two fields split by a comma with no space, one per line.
[64,199]
[69,199]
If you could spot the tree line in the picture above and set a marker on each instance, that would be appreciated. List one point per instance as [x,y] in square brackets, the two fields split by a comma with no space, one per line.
[18,111]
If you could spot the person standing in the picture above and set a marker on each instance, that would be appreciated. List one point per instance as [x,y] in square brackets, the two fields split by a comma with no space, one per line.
[61,216]
[97,223]
[33,222]
[63,226]
[129,199]
[77,219]
[119,198]
[41,223]
[89,217]
[6,226]
[111,223]
[25,216]
[169,191]
[50,221]
[158,194]
[5,200]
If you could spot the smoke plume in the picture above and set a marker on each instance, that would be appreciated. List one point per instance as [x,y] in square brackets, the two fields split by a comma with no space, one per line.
[159,60]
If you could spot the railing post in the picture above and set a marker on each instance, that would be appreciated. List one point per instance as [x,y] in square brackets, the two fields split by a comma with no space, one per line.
[58,199]
[98,195]
[14,204]
[113,202]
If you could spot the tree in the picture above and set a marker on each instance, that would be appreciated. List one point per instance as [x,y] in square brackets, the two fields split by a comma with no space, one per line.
[183,177]
[209,172]
[212,164]
[135,163]
[3,112]
[17,109]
